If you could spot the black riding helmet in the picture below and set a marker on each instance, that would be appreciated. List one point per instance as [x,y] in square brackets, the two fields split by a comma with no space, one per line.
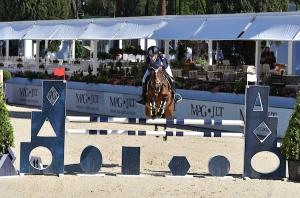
[153,50]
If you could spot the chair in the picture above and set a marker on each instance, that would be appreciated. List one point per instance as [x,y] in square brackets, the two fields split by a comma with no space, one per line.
[193,74]
[177,73]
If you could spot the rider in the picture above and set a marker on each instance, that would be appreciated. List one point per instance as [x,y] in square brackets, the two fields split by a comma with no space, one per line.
[155,60]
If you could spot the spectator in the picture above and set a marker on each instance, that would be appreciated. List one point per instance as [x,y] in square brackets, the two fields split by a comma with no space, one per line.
[189,53]
[219,57]
[267,57]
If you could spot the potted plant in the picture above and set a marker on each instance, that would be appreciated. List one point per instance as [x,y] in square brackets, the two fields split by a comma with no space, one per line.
[6,129]
[290,147]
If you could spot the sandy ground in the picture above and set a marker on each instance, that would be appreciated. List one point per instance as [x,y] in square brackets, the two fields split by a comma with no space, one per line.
[155,156]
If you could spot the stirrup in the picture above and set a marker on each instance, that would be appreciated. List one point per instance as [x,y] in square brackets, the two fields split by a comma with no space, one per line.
[177,98]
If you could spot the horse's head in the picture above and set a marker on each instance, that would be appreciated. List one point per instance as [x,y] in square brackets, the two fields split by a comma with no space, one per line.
[156,79]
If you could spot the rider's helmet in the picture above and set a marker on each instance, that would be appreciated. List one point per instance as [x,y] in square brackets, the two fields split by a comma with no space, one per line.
[153,50]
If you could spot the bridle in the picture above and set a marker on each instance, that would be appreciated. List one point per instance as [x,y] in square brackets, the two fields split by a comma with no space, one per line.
[156,86]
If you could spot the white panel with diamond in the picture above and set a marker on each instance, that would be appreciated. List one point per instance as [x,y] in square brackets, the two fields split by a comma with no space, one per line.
[52,96]
[262,132]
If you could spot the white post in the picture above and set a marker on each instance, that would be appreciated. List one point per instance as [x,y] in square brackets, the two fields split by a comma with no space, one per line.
[73,49]
[37,56]
[7,49]
[120,44]
[167,45]
[28,48]
[175,44]
[257,60]
[290,58]
[210,52]
[94,57]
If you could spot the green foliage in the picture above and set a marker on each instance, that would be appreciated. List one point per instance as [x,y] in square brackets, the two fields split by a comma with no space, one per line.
[6,75]
[14,10]
[79,50]
[6,129]
[291,142]
[233,6]
[201,61]
[181,56]
[54,45]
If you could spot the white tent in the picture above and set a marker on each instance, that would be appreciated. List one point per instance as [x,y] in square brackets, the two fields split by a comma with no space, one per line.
[57,30]
[273,27]
[138,28]
[178,28]
[101,30]
[14,30]
[222,28]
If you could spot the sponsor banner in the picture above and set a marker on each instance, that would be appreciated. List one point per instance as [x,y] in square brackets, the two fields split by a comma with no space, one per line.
[24,94]
[84,101]
[122,105]
[226,111]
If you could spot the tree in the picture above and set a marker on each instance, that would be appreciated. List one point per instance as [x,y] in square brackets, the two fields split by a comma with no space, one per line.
[161,7]
[54,45]
[18,10]
[6,129]
[79,50]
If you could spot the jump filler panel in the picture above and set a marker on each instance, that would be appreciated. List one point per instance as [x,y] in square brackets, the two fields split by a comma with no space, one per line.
[53,110]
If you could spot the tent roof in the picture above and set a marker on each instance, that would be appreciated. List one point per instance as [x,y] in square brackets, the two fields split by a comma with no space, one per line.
[14,30]
[57,30]
[222,28]
[244,26]
[272,27]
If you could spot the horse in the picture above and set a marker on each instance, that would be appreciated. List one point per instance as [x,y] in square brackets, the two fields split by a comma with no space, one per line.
[159,98]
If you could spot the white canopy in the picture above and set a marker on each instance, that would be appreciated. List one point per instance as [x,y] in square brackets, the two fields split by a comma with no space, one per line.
[265,26]
[274,27]
[138,28]
[14,30]
[102,30]
[222,28]
[57,30]
[178,28]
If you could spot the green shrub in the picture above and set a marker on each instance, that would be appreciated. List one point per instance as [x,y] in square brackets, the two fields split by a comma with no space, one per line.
[291,142]
[6,75]
[79,50]
[54,45]
[6,129]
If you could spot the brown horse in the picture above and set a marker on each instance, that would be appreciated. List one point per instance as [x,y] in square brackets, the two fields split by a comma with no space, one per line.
[159,100]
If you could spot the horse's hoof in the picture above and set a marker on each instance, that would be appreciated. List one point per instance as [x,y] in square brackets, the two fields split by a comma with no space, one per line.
[157,136]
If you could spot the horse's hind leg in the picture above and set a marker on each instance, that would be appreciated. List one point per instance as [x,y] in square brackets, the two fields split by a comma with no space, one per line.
[156,128]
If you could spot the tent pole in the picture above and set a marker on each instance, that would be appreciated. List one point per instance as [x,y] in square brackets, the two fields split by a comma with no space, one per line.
[290,58]
[210,52]
[37,53]
[167,45]
[7,49]
[257,60]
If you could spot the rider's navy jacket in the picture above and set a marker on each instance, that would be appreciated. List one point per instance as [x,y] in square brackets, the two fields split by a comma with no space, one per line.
[160,61]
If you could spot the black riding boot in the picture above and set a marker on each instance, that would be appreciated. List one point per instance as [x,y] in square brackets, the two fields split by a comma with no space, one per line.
[142,101]
[177,97]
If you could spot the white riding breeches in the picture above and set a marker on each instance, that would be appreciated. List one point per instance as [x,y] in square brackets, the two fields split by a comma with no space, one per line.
[168,70]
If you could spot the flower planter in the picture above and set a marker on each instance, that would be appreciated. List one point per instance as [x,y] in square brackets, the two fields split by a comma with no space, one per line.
[294,170]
